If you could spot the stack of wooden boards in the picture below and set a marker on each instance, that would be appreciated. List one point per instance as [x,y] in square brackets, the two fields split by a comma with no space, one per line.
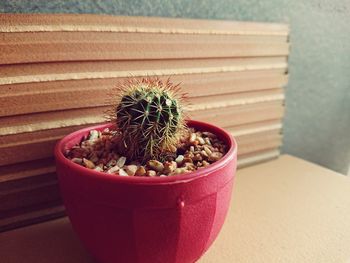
[56,72]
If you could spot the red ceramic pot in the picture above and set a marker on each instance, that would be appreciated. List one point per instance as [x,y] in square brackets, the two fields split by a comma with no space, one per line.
[150,220]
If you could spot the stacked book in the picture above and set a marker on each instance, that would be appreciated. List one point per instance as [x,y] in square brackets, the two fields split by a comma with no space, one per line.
[58,74]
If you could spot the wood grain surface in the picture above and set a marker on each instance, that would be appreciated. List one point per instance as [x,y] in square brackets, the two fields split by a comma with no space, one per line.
[58,73]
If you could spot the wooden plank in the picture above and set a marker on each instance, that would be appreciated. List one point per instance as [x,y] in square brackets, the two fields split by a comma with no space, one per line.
[38,72]
[27,151]
[31,146]
[234,115]
[53,52]
[255,127]
[256,143]
[25,196]
[122,37]
[51,120]
[238,115]
[23,170]
[94,97]
[256,158]
[12,185]
[42,135]
[234,99]
[104,23]
[193,85]
[33,215]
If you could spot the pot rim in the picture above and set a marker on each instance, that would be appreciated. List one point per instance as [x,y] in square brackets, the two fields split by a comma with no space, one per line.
[179,178]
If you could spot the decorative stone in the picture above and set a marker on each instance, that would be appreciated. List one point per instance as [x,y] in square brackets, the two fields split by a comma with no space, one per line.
[98,169]
[113,170]
[121,161]
[88,163]
[193,138]
[155,165]
[141,171]
[151,173]
[207,150]
[122,172]
[169,167]
[200,140]
[179,159]
[93,135]
[215,156]
[131,169]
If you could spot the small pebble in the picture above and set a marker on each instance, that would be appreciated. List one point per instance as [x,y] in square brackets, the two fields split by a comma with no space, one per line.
[121,161]
[151,173]
[188,160]
[205,163]
[204,153]
[197,157]
[207,150]
[193,138]
[215,156]
[88,163]
[207,141]
[179,159]
[113,170]
[200,140]
[131,169]
[121,172]
[155,165]
[98,168]
[169,167]
[93,135]
[141,171]
[178,171]
[190,166]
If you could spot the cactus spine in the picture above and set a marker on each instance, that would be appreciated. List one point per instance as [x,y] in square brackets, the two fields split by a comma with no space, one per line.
[149,115]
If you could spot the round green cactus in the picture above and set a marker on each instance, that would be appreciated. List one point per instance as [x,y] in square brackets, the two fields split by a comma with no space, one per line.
[149,115]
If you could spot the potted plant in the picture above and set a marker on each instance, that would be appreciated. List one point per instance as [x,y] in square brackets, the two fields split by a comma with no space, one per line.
[149,186]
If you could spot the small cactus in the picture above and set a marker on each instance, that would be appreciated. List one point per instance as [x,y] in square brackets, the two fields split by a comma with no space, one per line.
[149,115]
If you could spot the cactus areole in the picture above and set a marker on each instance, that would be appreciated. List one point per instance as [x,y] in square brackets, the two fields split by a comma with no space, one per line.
[150,117]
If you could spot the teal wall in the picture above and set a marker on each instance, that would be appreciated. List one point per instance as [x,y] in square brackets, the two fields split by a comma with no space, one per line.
[317,122]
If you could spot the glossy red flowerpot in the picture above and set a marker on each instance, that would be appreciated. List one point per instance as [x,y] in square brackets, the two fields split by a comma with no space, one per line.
[147,220]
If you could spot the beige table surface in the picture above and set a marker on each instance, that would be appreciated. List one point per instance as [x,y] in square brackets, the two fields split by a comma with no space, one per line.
[286,210]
